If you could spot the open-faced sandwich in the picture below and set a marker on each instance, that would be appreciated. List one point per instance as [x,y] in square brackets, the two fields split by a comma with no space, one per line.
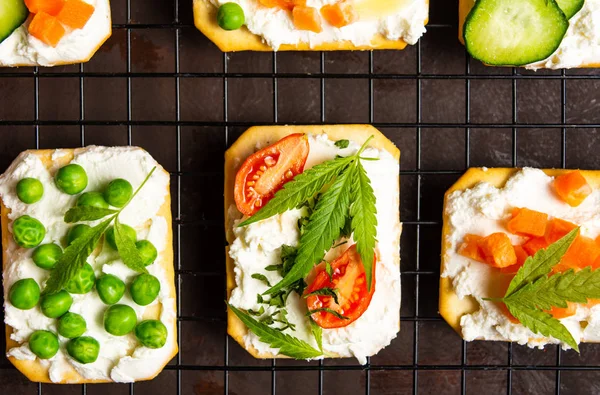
[535,34]
[89,293]
[324,25]
[312,220]
[52,32]
[520,256]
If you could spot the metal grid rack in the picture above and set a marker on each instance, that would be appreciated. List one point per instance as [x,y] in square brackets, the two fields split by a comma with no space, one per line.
[405,370]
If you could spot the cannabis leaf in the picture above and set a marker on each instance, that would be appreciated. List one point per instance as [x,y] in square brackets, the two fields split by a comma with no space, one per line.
[287,345]
[317,332]
[87,213]
[127,250]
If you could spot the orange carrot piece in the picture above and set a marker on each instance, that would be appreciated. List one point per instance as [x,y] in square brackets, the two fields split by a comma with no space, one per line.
[571,309]
[535,244]
[572,188]
[470,248]
[582,253]
[528,222]
[557,229]
[498,250]
[46,28]
[521,258]
[76,14]
[283,4]
[338,15]
[307,18]
[51,7]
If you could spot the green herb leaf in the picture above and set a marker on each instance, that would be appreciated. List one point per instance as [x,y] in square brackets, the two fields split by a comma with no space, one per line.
[542,263]
[317,332]
[329,270]
[325,292]
[86,213]
[260,311]
[327,310]
[273,268]
[127,250]
[261,277]
[542,323]
[303,187]
[287,345]
[75,256]
[323,228]
[364,221]
[342,144]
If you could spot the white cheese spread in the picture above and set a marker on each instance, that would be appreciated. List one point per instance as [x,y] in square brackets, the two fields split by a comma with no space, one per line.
[484,209]
[121,358]
[275,25]
[22,49]
[259,245]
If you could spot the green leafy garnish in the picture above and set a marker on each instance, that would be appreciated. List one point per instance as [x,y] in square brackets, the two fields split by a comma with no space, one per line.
[75,255]
[287,345]
[317,332]
[87,213]
[261,277]
[342,144]
[329,270]
[325,292]
[327,310]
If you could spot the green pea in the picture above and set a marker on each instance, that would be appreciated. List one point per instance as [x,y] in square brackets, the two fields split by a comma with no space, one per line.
[30,190]
[118,192]
[144,289]
[47,255]
[92,199]
[44,344]
[83,281]
[71,179]
[147,251]
[55,305]
[76,231]
[110,288]
[230,16]
[24,294]
[151,333]
[84,349]
[71,325]
[119,319]
[28,232]
[110,235]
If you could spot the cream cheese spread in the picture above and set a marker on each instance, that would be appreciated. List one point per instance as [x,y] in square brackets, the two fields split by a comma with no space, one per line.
[484,209]
[276,27]
[22,49]
[259,245]
[121,358]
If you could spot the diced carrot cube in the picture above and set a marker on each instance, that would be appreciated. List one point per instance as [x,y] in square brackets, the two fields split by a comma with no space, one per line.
[535,244]
[46,28]
[470,248]
[76,14]
[521,258]
[557,229]
[572,188]
[51,7]
[307,18]
[528,222]
[283,4]
[498,250]
[338,15]
[582,253]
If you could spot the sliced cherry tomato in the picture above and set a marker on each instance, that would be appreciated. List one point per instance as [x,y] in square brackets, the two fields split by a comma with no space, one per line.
[265,172]
[350,283]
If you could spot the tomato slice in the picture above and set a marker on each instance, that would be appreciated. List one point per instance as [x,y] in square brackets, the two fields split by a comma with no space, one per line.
[264,172]
[351,284]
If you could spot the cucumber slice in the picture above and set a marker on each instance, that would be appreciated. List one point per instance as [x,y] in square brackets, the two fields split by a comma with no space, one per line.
[570,7]
[514,32]
[13,13]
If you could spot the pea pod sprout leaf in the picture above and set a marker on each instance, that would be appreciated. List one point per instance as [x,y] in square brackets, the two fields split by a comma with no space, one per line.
[87,213]
[287,345]
[75,256]
[126,247]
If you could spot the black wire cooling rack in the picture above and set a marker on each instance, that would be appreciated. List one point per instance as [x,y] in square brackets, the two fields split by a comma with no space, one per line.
[444,111]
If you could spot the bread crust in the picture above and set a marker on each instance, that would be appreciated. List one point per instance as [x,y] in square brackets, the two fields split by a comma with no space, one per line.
[205,19]
[450,306]
[84,60]
[245,146]
[465,6]
[35,370]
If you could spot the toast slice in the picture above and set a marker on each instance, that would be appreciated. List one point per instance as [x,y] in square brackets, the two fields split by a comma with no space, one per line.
[262,136]
[37,370]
